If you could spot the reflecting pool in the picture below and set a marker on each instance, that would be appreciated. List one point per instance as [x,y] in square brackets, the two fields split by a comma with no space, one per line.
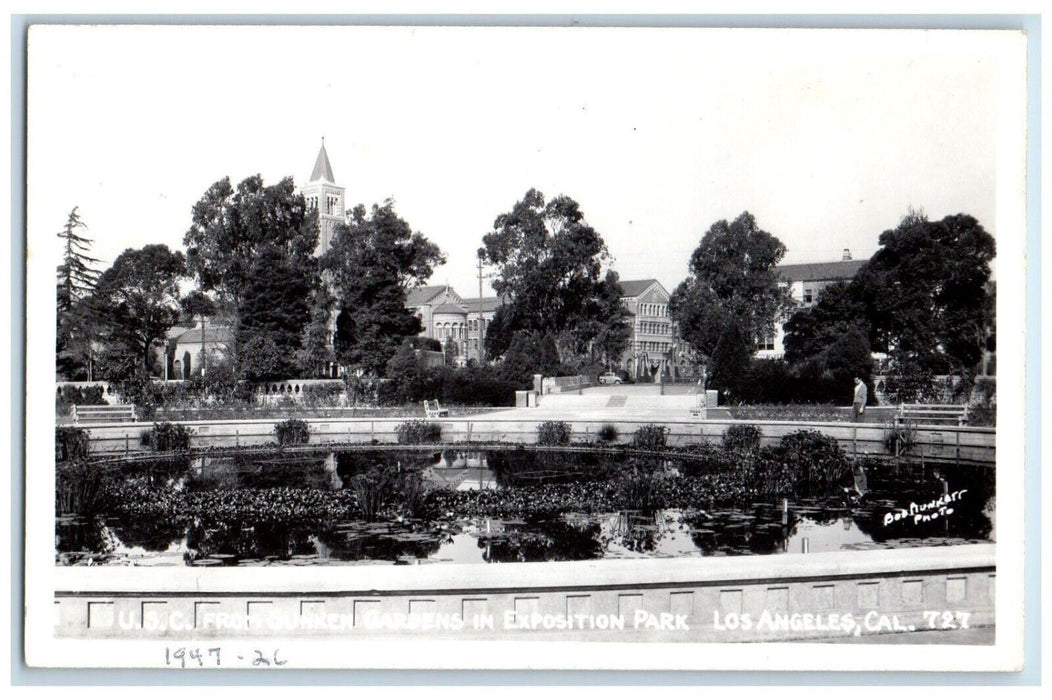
[417,507]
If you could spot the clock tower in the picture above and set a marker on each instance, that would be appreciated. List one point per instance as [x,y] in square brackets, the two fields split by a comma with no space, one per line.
[326,197]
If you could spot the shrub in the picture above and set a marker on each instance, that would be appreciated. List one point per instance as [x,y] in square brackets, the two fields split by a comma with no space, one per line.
[910,384]
[373,490]
[742,438]
[80,488]
[790,412]
[607,433]
[71,444]
[554,432]
[67,397]
[650,437]
[292,432]
[478,386]
[983,410]
[327,394]
[900,439]
[167,437]
[817,461]
[421,343]
[418,432]
[777,382]
[139,390]
[638,489]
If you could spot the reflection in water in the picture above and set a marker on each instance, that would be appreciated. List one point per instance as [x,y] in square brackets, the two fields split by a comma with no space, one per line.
[275,508]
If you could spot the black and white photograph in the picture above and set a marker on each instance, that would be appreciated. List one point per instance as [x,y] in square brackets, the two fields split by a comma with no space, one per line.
[494,347]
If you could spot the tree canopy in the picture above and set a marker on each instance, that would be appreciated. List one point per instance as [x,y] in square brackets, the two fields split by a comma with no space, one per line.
[732,295]
[139,295]
[254,247]
[926,292]
[549,272]
[925,299]
[372,262]
[812,331]
[231,229]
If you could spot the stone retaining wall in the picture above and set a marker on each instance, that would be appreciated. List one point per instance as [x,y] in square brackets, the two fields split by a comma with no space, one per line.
[835,595]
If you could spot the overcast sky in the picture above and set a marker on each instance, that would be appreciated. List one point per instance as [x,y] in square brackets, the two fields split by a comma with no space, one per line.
[826,137]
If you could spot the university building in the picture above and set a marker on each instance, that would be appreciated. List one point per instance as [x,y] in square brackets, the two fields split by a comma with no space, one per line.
[805,281]
[449,318]
[651,347]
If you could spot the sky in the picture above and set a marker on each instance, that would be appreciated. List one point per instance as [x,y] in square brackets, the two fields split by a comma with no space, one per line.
[827,137]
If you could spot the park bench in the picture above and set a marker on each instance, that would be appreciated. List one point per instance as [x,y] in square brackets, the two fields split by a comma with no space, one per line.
[433,410]
[932,413]
[104,414]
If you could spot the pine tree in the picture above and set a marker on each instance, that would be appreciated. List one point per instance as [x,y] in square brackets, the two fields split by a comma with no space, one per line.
[76,282]
[76,277]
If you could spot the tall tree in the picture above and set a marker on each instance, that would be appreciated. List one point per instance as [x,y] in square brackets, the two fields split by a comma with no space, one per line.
[276,305]
[316,355]
[926,293]
[140,296]
[549,272]
[372,262]
[733,294]
[76,281]
[924,298]
[232,229]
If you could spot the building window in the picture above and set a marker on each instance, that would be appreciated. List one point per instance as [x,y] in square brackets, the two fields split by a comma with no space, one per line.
[808,295]
[765,343]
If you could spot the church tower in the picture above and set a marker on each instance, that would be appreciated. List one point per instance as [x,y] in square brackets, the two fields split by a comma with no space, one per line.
[324,195]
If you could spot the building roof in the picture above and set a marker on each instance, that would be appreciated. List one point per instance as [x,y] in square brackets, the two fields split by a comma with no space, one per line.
[488,304]
[418,296]
[633,288]
[175,331]
[213,334]
[822,271]
[450,308]
[322,169]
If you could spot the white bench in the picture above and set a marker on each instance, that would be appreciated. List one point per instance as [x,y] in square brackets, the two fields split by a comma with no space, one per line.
[932,413]
[433,410]
[104,414]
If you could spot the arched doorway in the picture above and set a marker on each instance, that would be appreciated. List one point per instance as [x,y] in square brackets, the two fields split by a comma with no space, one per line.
[186,365]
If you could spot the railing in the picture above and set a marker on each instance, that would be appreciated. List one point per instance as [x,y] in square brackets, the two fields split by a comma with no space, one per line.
[932,412]
[945,444]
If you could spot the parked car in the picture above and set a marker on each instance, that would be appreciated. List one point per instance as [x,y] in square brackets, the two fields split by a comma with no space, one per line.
[609,378]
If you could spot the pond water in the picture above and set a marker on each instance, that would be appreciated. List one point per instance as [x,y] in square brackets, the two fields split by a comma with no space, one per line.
[425,507]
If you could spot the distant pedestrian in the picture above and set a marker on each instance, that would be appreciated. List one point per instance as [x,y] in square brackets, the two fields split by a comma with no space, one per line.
[858,406]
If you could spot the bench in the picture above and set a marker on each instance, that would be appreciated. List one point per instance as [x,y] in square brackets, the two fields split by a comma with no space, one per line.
[932,413]
[433,410]
[104,414]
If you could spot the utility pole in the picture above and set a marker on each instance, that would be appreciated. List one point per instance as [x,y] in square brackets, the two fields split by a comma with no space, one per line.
[479,327]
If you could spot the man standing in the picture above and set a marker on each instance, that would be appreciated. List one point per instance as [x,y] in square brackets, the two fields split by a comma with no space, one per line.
[858,406]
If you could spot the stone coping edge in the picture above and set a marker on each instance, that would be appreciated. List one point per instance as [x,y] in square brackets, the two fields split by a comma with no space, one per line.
[388,579]
[540,417]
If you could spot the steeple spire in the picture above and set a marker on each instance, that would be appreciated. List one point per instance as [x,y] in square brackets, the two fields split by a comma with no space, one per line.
[322,168]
